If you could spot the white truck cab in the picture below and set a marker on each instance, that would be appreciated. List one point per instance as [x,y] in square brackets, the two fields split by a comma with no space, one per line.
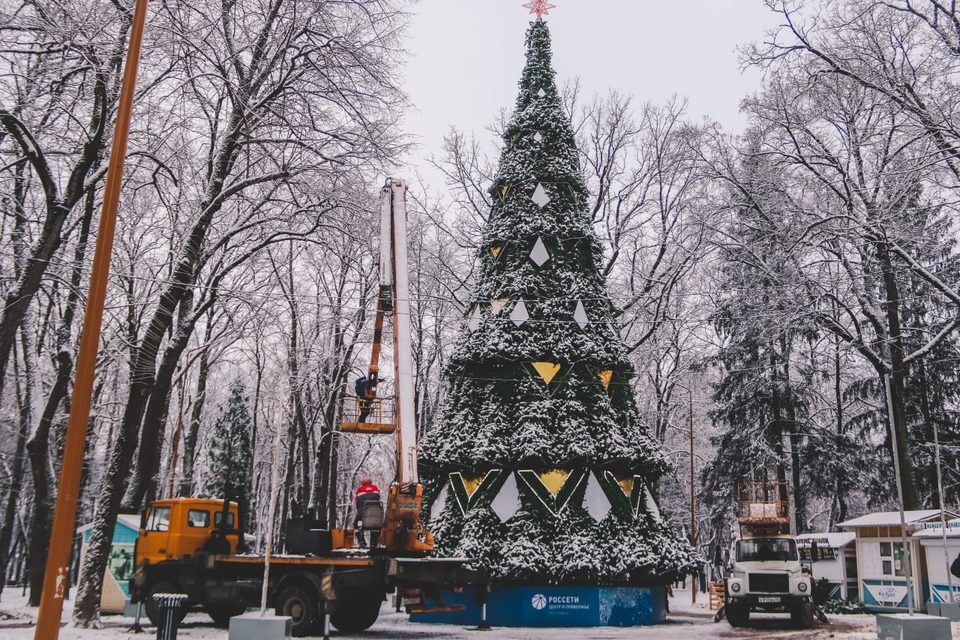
[766,575]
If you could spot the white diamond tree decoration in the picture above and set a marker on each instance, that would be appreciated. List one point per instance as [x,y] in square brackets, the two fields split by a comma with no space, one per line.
[595,500]
[540,197]
[507,502]
[475,318]
[438,503]
[520,315]
[580,315]
[539,255]
[542,93]
[538,136]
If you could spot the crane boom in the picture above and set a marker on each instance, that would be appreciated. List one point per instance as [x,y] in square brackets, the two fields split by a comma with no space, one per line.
[394,207]
[402,531]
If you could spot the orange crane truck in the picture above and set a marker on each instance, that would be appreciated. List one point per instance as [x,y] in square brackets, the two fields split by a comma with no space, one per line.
[190,545]
[187,546]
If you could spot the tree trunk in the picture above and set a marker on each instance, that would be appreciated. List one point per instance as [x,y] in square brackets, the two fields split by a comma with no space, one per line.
[793,433]
[840,497]
[196,413]
[253,515]
[13,497]
[38,445]
[285,511]
[777,426]
[38,448]
[299,425]
[144,480]
[799,500]
[933,494]
[897,376]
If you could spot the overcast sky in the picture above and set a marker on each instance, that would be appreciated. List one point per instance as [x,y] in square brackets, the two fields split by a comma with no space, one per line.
[467,55]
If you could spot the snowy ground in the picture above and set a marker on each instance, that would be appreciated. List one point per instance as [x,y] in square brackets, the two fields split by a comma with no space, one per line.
[687,622]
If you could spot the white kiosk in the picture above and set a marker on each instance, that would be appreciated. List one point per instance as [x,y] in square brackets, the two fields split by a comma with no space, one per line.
[880,567]
[938,561]
[837,562]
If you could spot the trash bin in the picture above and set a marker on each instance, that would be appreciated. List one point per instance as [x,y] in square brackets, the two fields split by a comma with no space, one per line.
[170,607]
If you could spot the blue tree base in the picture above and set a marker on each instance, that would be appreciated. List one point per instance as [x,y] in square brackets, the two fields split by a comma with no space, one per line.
[531,606]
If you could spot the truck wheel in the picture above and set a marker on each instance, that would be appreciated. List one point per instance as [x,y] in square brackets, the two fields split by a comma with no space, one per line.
[801,615]
[356,613]
[153,613]
[302,605]
[221,614]
[737,615]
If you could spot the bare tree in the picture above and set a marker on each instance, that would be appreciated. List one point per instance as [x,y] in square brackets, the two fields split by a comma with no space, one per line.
[58,90]
[292,111]
[844,169]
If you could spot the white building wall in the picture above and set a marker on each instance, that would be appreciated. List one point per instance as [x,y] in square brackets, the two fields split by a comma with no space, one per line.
[871,567]
[938,566]
[832,570]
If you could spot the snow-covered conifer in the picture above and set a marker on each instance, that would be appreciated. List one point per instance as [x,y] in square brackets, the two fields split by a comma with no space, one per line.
[540,468]
[230,454]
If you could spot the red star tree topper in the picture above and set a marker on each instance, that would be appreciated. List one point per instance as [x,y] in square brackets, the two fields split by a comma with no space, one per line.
[539,7]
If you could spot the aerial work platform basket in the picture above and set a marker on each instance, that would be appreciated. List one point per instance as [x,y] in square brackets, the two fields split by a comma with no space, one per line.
[763,506]
[368,415]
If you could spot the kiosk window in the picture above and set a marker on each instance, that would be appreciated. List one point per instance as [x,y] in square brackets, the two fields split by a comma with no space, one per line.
[891,558]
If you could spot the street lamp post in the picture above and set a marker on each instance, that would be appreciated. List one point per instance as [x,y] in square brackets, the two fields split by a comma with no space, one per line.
[693,504]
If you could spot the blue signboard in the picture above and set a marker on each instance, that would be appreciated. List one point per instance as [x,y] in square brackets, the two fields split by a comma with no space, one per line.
[526,606]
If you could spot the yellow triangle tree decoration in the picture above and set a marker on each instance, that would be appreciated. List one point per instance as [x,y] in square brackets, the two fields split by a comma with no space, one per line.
[495,250]
[472,483]
[553,488]
[554,480]
[626,485]
[547,370]
[498,305]
[504,190]
[605,377]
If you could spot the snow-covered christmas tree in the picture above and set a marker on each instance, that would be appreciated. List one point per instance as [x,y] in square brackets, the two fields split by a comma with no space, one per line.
[540,468]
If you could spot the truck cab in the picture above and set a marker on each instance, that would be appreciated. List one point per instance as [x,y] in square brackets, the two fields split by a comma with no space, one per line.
[178,528]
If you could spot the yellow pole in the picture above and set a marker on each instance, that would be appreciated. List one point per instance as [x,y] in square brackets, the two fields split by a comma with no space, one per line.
[65,513]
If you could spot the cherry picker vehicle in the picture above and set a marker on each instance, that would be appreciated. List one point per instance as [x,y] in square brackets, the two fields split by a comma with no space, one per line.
[766,573]
[190,545]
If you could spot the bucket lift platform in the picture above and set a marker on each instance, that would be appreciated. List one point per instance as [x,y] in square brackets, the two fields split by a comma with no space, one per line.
[763,507]
[377,416]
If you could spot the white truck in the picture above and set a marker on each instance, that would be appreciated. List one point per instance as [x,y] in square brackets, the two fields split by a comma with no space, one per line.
[766,575]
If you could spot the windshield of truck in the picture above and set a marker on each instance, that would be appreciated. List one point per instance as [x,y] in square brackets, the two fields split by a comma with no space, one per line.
[159,519]
[767,550]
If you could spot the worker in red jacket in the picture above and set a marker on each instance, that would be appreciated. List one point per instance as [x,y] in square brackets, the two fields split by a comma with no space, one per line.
[366,492]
